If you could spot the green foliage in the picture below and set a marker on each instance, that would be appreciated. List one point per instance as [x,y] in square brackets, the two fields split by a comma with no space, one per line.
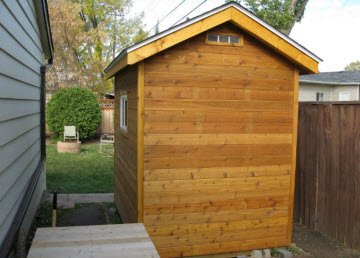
[353,66]
[87,35]
[73,106]
[280,14]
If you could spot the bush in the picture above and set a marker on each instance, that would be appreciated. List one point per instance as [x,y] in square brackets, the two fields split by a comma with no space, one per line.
[73,106]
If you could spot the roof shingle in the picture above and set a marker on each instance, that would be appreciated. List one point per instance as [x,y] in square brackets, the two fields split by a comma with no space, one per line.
[342,77]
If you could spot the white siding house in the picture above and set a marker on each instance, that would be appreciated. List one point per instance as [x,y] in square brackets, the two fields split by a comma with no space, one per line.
[25,50]
[331,86]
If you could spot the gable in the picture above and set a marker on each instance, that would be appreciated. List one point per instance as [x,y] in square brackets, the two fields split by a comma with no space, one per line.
[234,13]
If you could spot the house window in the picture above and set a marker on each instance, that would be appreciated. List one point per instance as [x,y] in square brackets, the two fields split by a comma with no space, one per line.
[123,112]
[223,39]
[319,96]
[344,96]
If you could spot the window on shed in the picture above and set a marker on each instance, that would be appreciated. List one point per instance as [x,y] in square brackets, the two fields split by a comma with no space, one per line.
[319,96]
[223,39]
[344,96]
[123,112]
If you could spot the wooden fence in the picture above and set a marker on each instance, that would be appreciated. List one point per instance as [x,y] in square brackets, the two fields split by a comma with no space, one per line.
[327,193]
[107,112]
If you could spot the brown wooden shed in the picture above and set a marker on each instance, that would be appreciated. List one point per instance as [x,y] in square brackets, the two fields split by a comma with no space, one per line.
[205,133]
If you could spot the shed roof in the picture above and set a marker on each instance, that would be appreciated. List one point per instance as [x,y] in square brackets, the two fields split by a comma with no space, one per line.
[331,78]
[229,12]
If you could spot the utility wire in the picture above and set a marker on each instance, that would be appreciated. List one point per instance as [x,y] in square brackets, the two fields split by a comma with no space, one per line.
[158,22]
[189,13]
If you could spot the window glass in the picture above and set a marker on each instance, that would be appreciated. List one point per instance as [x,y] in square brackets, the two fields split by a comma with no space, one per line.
[221,38]
[123,112]
[212,38]
[319,96]
[234,39]
[344,96]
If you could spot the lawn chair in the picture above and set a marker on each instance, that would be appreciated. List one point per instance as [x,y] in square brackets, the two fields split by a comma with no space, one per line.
[70,133]
[107,145]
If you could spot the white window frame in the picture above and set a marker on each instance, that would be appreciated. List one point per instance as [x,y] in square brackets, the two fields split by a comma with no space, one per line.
[319,96]
[123,112]
[344,96]
[228,37]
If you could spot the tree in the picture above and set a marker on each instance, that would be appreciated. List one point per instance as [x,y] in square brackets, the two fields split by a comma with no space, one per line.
[74,106]
[87,35]
[353,66]
[281,14]
[68,37]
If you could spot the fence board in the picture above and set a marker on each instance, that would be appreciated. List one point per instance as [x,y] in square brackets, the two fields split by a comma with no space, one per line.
[328,170]
[107,114]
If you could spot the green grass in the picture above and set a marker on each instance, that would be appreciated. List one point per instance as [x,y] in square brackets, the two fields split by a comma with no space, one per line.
[86,172]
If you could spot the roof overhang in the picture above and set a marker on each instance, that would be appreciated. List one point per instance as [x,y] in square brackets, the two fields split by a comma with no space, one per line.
[43,20]
[331,83]
[231,12]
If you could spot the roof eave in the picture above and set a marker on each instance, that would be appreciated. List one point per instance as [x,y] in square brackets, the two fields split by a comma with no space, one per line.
[43,20]
[331,83]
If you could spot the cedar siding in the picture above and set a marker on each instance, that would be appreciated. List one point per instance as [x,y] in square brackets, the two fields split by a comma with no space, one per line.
[126,147]
[215,145]
[218,146]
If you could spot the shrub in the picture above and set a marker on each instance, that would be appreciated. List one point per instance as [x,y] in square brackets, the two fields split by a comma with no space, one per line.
[73,106]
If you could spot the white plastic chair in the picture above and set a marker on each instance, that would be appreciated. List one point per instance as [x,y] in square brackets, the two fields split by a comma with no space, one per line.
[107,145]
[70,133]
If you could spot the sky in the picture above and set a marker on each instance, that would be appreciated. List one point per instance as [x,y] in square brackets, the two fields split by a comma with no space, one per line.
[330,28]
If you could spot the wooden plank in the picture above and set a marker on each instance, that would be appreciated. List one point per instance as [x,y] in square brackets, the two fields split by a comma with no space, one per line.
[235,105]
[324,218]
[204,56]
[242,225]
[205,162]
[219,216]
[223,205]
[216,150]
[216,248]
[98,241]
[204,127]
[223,183]
[218,172]
[259,72]
[213,116]
[347,121]
[293,153]
[210,80]
[335,171]
[356,224]
[217,93]
[216,237]
[212,195]
[205,139]
[140,141]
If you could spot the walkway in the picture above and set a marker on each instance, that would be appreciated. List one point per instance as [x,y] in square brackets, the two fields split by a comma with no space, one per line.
[121,240]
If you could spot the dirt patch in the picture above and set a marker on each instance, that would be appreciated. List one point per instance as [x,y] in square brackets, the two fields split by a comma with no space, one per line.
[318,245]
[84,216]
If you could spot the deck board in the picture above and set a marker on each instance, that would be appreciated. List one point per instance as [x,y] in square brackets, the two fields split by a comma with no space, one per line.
[122,240]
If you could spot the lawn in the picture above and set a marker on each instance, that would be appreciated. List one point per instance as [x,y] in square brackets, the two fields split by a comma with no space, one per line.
[86,172]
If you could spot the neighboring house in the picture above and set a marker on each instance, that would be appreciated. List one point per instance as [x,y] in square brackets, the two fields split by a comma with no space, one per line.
[205,133]
[25,51]
[330,86]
